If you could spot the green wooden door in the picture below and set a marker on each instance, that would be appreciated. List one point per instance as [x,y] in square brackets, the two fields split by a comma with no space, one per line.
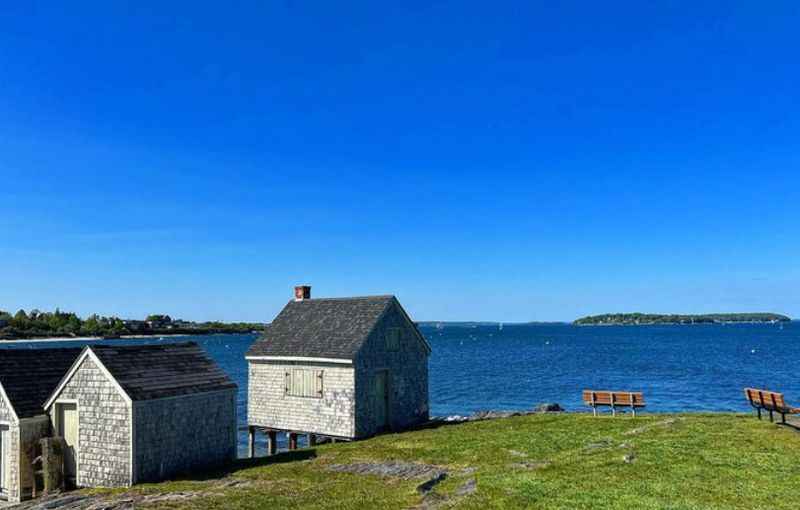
[380,398]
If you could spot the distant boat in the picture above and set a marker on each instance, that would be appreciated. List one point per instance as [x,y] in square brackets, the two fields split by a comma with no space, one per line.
[500,327]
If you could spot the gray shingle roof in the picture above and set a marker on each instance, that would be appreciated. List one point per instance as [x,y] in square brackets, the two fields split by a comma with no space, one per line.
[322,328]
[166,370]
[29,376]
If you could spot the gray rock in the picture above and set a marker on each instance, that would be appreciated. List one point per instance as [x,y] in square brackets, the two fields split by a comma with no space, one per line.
[469,487]
[531,465]
[403,470]
[549,407]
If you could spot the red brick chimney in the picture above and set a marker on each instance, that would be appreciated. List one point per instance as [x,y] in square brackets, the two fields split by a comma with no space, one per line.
[302,292]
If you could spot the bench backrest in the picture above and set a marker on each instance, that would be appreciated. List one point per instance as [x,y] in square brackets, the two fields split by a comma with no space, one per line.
[618,398]
[765,398]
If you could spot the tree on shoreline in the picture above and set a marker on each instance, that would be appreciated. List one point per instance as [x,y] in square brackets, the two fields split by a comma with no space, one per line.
[67,324]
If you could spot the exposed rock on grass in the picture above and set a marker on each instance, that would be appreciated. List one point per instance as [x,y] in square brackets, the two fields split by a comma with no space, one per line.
[469,487]
[402,470]
[531,465]
[598,445]
[125,501]
[663,423]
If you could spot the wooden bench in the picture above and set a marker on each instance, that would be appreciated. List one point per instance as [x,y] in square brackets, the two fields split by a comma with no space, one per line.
[769,401]
[613,399]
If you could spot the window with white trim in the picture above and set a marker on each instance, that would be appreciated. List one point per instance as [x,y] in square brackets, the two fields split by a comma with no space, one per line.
[393,339]
[304,382]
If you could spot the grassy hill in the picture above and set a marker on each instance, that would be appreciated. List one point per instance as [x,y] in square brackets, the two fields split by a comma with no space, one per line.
[548,461]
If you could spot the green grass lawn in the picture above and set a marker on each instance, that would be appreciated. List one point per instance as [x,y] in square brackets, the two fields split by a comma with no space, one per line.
[548,461]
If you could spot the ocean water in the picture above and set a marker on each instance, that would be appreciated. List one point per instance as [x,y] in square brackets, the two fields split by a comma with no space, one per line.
[679,368]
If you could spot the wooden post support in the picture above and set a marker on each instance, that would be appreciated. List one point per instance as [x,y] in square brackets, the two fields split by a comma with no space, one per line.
[312,440]
[251,441]
[272,442]
[292,441]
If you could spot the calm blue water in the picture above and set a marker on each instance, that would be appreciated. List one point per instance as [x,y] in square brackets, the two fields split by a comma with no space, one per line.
[680,368]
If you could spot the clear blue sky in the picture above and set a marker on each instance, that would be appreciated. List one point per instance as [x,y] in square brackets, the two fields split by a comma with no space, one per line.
[481,160]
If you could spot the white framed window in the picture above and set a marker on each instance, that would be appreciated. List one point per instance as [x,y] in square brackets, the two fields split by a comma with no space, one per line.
[304,382]
[393,339]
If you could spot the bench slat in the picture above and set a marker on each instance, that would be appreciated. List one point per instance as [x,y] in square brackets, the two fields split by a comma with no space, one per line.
[617,398]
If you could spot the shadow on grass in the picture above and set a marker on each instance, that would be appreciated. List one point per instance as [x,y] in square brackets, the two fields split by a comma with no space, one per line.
[239,464]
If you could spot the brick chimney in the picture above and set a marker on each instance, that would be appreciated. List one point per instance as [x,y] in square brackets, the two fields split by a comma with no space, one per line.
[302,292]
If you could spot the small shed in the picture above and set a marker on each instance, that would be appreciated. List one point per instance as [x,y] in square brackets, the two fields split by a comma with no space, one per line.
[143,413]
[27,378]
[343,368]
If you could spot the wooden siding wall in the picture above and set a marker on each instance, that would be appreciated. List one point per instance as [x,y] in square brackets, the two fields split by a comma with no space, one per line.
[104,428]
[181,434]
[8,417]
[331,414]
[407,366]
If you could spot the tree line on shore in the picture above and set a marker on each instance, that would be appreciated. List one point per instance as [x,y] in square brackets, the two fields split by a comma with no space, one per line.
[38,324]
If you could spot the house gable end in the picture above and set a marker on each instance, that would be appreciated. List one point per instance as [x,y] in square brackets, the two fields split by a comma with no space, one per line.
[87,354]
[375,342]
[6,408]
[413,325]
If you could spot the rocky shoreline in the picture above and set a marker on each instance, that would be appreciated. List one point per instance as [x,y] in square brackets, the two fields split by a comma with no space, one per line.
[547,407]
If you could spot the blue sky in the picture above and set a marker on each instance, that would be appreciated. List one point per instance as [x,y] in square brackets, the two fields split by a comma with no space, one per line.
[482,161]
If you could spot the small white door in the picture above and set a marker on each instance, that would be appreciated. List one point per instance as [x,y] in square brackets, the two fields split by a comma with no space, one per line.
[67,423]
[4,460]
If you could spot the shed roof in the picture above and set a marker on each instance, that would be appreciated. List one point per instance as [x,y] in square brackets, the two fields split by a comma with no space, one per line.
[333,328]
[29,376]
[148,372]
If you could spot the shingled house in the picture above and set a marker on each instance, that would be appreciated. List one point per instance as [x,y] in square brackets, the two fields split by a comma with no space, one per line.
[133,414]
[338,367]
[27,377]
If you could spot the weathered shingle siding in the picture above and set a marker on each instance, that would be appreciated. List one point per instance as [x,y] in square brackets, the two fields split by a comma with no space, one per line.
[179,434]
[7,418]
[408,375]
[104,428]
[333,414]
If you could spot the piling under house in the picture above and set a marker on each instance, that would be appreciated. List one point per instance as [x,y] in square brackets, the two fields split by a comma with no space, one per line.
[143,413]
[27,378]
[344,368]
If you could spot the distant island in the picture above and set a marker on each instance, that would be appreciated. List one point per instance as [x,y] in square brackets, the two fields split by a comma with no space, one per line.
[35,324]
[638,319]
